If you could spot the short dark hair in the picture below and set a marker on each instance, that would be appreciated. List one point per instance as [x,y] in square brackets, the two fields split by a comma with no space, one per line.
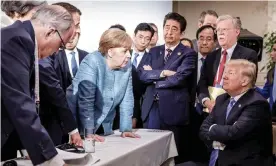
[20,7]
[119,26]
[189,40]
[144,27]
[204,13]
[152,24]
[70,8]
[177,17]
[206,27]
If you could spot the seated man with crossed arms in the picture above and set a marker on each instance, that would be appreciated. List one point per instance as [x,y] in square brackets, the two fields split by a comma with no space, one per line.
[239,127]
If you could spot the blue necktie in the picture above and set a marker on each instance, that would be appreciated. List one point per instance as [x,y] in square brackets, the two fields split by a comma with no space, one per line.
[135,60]
[169,52]
[214,154]
[74,65]
[202,62]
[274,85]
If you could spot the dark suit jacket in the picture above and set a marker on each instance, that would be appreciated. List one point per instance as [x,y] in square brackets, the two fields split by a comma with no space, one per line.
[62,68]
[139,88]
[175,99]
[211,65]
[247,132]
[18,107]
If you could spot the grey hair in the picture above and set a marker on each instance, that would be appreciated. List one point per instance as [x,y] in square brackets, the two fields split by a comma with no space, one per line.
[20,7]
[236,22]
[54,16]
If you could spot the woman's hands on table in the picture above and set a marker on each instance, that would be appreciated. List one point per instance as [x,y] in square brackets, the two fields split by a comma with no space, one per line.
[130,134]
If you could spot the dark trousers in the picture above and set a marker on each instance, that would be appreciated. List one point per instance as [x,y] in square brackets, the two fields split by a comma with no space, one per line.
[9,150]
[181,133]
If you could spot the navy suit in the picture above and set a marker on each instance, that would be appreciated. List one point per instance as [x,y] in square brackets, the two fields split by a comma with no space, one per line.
[19,120]
[62,68]
[176,96]
[247,131]
[55,114]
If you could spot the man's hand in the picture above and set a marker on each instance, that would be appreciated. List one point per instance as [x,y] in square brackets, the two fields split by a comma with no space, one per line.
[147,67]
[76,139]
[130,134]
[168,73]
[210,105]
[134,123]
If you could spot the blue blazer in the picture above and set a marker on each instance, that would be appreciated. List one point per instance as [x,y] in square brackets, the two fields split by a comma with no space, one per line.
[267,90]
[18,110]
[175,92]
[97,90]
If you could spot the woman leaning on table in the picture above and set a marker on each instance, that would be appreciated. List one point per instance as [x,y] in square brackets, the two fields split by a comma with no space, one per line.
[104,81]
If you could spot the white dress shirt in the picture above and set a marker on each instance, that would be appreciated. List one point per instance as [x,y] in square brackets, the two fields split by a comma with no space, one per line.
[69,58]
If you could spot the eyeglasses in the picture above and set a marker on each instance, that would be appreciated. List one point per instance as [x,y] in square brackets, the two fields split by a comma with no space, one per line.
[208,40]
[62,42]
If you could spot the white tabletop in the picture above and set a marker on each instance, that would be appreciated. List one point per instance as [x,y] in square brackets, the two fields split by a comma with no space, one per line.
[155,147]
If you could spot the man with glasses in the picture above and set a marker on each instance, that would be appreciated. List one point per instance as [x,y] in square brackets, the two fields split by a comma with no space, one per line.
[228,30]
[22,44]
[56,73]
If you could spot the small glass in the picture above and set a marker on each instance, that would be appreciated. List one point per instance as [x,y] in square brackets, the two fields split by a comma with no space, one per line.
[89,141]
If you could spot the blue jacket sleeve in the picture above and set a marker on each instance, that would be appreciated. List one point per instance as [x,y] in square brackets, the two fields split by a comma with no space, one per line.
[265,90]
[87,76]
[126,107]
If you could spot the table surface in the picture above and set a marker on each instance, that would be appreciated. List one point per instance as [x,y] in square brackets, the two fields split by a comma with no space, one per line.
[152,149]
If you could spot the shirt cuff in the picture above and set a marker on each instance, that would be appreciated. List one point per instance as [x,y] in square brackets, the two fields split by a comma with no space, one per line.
[203,100]
[73,132]
[162,74]
[212,126]
[57,160]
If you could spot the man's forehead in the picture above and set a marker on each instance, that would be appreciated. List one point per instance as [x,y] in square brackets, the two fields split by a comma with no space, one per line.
[206,32]
[76,17]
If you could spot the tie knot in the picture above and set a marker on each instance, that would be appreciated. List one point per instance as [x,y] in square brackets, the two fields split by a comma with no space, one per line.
[169,50]
[232,101]
[73,53]
[136,55]
[202,60]
[224,52]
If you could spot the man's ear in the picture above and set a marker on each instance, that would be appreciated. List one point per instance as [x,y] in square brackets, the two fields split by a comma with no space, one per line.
[245,81]
[51,31]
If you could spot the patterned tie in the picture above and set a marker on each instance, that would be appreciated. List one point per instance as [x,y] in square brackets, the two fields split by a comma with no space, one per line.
[74,65]
[169,52]
[274,85]
[135,60]
[221,68]
[202,62]
[214,154]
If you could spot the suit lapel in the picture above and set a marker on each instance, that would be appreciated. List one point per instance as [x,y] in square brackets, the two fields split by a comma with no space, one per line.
[177,52]
[237,107]
[81,55]
[236,53]
[160,57]
[216,63]
[65,66]
[223,110]
[143,59]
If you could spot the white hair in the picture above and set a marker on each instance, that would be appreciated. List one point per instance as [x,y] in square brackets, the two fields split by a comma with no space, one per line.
[54,16]
[236,22]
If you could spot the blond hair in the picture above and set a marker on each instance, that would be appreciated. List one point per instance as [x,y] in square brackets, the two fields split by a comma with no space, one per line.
[113,38]
[246,68]
[236,22]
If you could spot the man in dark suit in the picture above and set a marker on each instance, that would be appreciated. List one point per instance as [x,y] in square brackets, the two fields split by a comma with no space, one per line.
[208,17]
[228,30]
[141,39]
[170,72]
[239,127]
[22,44]
[56,73]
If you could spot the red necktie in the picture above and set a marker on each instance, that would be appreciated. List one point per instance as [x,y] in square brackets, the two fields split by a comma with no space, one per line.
[221,68]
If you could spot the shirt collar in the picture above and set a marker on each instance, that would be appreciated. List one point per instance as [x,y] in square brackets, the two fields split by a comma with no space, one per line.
[140,53]
[172,48]
[230,50]
[69,51]
[236,98]
[200,56]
